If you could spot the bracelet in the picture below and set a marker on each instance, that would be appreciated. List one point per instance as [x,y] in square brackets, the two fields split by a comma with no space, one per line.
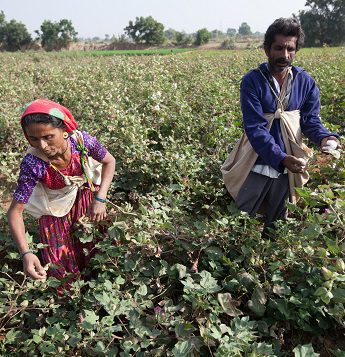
[24,254]
[100,199]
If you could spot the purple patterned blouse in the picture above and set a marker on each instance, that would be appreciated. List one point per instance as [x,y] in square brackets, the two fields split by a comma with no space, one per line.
[34,169]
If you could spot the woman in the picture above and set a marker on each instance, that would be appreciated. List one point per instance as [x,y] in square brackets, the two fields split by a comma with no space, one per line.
[56,185]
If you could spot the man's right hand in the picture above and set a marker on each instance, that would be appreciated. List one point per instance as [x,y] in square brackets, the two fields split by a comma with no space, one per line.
[33,268]
[294,164]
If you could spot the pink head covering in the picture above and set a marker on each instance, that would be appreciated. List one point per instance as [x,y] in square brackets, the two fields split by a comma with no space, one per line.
[46,106]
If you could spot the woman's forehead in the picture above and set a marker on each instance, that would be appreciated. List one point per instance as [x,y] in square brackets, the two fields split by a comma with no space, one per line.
[40,128]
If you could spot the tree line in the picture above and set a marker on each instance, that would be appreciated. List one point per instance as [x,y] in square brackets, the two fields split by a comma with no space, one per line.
[58,35]
[52,35]
[323,23]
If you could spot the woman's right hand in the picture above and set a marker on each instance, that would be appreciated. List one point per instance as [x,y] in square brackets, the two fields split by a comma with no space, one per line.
[33,268]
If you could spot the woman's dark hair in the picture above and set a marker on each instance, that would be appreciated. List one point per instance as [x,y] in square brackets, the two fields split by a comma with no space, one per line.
[41,118]
[286,27]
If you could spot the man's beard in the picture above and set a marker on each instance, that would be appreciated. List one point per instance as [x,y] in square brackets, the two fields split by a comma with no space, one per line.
[280,64]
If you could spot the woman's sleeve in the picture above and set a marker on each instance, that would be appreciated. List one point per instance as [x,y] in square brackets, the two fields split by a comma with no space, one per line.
[94,147]
[32,169]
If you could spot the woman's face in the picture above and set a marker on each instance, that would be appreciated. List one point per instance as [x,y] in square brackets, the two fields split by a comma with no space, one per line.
[46,138]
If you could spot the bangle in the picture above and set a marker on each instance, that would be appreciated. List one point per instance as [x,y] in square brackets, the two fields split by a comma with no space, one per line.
[100,199]
[24,254]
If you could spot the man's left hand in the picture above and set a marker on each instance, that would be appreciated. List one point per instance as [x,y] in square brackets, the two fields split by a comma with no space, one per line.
[324,141]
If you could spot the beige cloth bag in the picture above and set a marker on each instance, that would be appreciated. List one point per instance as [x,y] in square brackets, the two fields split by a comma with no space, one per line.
[44,201]
[239,163]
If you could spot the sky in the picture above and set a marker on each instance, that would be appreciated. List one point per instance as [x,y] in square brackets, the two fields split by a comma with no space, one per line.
[92,18]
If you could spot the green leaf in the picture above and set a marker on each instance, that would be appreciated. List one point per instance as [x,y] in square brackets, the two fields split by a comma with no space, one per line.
[324,294]
[90,320]
[120,280]
[339,295]
[229,305]
[180,269]
[86,238]
[182,330]
[37,339]
[209,282]
[142,290]
[281,290]
[182,349]
[305,351]
[258,302]
[283,307]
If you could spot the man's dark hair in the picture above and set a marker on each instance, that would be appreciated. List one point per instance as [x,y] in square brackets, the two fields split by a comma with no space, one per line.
[41,118]
[286,27]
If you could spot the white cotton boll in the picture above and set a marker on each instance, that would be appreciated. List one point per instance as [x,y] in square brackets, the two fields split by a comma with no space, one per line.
[303,162]
[332,143]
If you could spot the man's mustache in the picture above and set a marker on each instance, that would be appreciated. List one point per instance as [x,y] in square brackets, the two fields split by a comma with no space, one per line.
[282,61]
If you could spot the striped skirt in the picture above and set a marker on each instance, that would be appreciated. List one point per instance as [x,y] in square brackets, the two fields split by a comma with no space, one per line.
[64,250]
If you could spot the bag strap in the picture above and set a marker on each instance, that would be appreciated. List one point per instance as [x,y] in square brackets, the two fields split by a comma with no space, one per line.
[283,89]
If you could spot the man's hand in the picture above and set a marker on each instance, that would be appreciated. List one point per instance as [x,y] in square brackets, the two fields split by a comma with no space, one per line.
[33,267]
[294,164]
[324,142]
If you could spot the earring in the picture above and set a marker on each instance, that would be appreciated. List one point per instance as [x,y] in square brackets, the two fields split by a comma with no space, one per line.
[65,135]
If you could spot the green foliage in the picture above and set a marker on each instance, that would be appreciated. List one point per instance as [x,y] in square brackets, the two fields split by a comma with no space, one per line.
[182,39]
[231,32]
[148,52]
[324,22]
[14,35]
[202,36]
[228,44]
[178,271]
[56,35]
[244,29]
[146,30]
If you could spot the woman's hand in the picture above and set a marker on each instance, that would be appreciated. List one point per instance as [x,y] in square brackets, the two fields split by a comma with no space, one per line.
[33,268]
[97,211]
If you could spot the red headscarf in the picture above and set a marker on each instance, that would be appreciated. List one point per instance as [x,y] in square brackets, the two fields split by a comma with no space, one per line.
[46,106]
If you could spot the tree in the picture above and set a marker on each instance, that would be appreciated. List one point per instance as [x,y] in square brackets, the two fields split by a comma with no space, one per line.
[15,36]
[170,34]
[244,29]
[2,26]
[202,37]
[231,32]
[182,39]
[324,23]
[57,35]
[146,30]
[216,33]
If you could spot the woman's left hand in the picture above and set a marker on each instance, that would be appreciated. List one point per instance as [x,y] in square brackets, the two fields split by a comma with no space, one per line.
[97,211]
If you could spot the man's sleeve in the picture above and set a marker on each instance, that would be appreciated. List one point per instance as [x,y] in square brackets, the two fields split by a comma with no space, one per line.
[311,125]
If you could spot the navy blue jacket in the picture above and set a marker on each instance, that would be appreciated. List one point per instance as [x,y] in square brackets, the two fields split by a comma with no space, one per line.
[257,99]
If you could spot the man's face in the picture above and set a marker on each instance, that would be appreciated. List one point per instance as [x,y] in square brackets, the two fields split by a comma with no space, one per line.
[281,53]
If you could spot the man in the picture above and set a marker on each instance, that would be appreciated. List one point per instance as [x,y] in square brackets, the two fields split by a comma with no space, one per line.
[278,101]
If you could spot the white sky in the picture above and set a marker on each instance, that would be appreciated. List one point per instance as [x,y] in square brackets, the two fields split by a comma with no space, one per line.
[99,17]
